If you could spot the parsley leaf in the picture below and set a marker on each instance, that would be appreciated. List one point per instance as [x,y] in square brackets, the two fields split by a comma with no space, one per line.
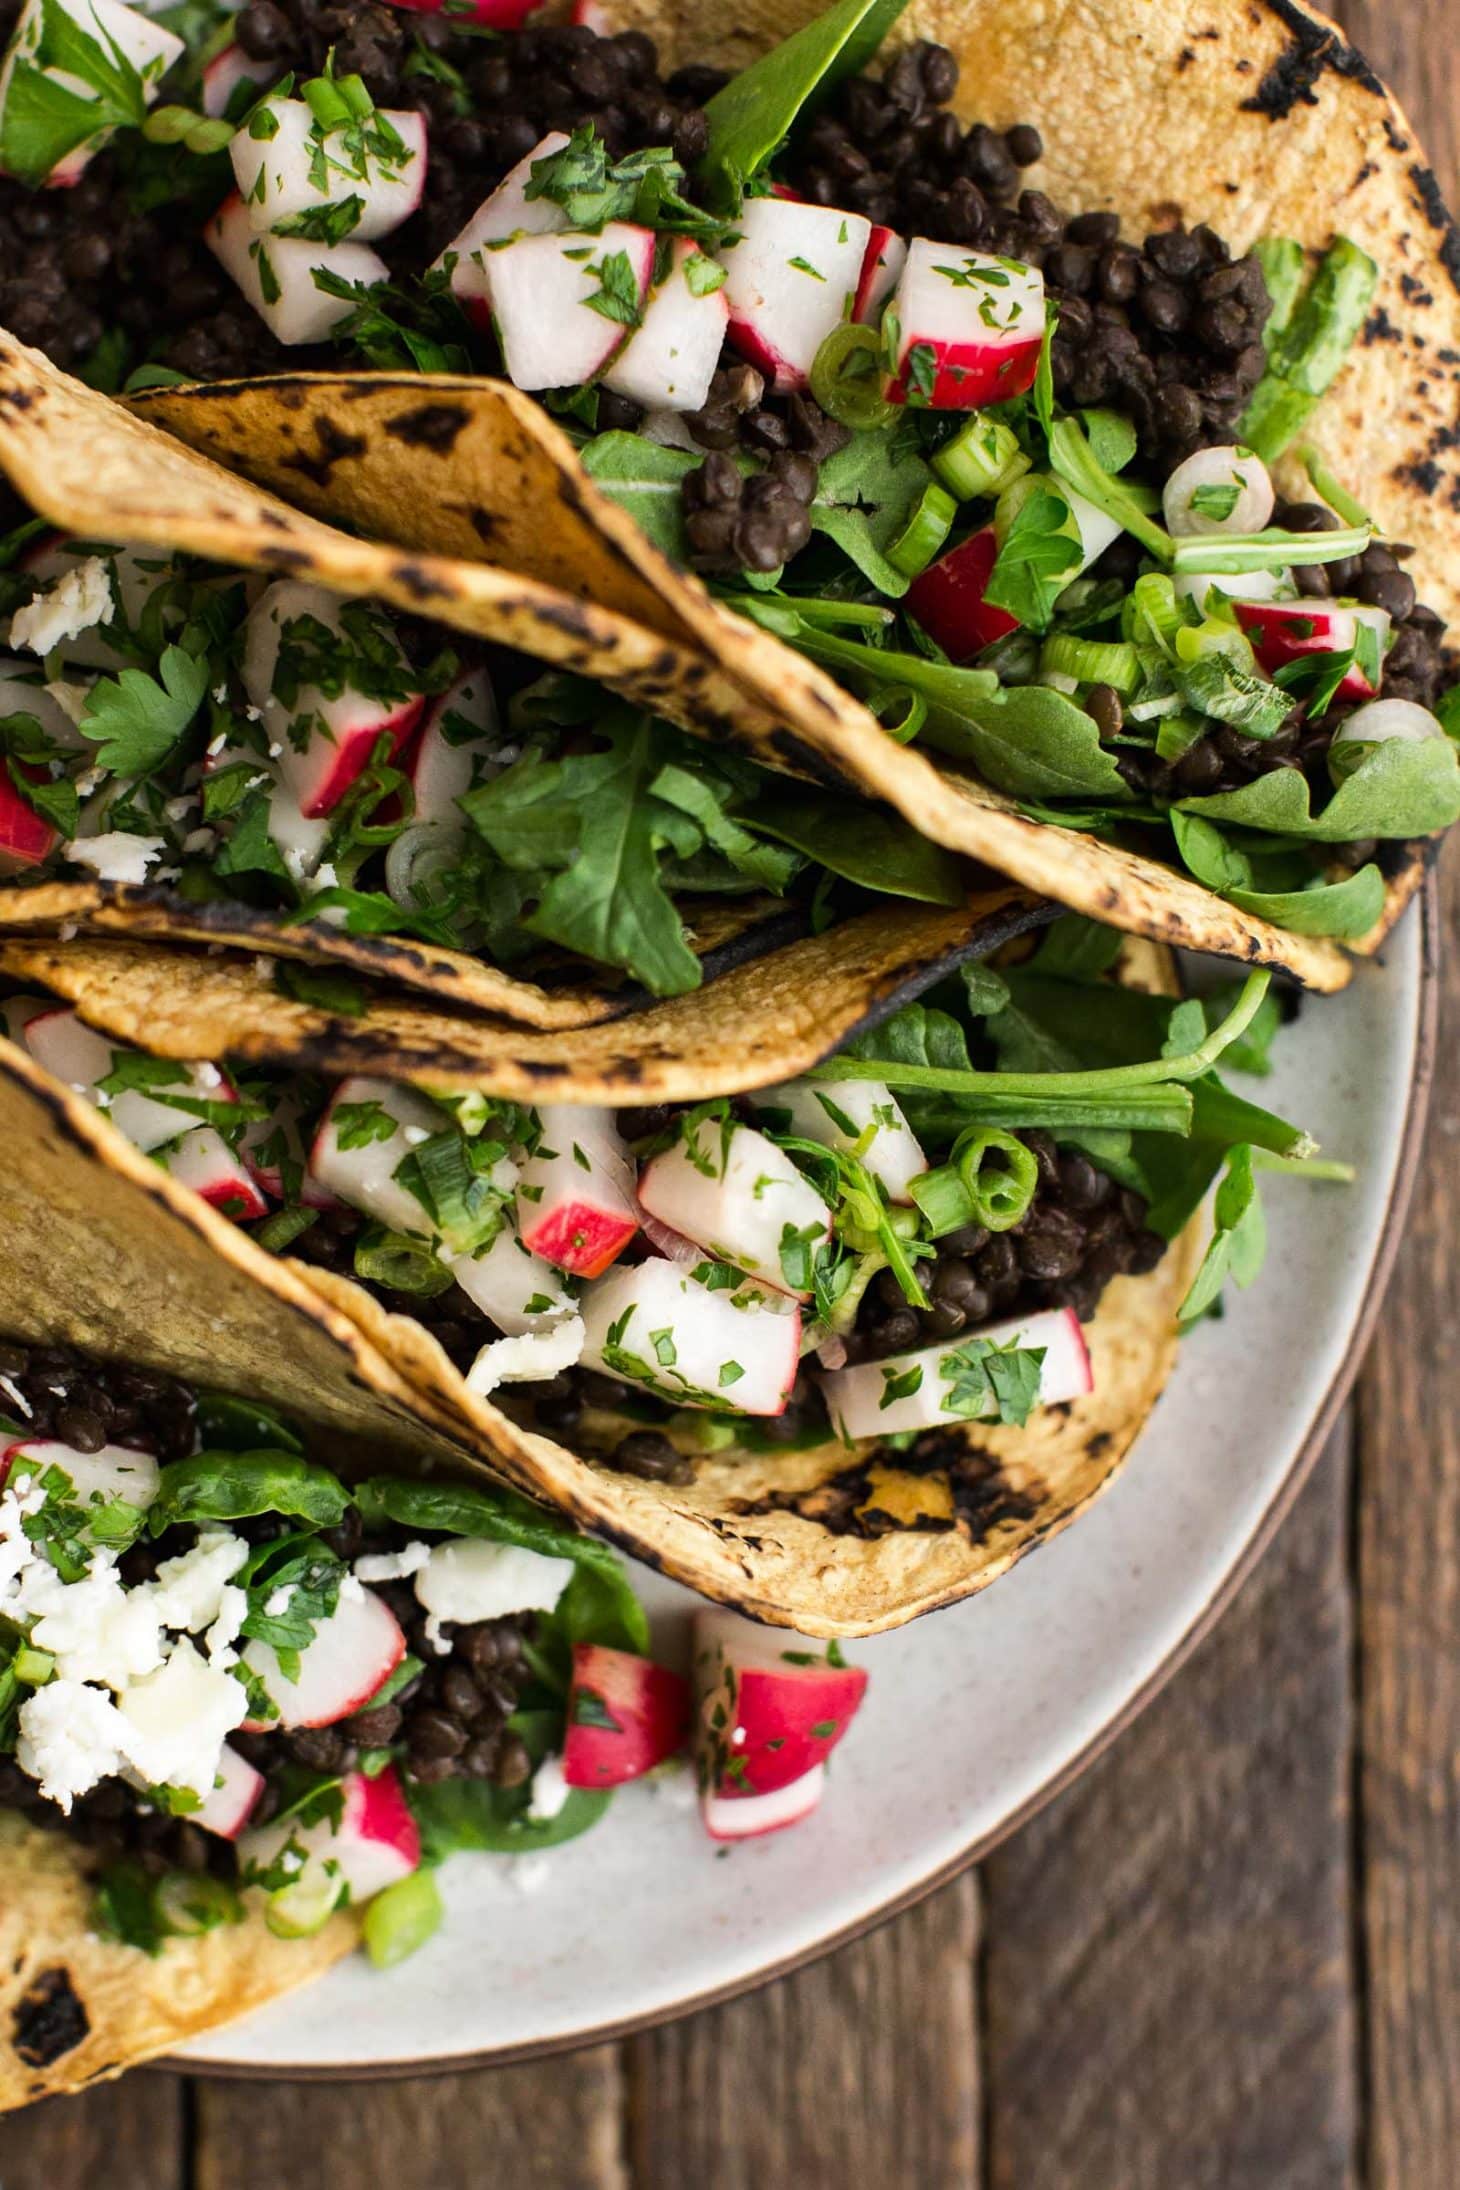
[1040,555]
[136,720]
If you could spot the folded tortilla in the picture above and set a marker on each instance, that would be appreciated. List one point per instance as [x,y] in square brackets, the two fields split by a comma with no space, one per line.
[1262,120]
[106,1251]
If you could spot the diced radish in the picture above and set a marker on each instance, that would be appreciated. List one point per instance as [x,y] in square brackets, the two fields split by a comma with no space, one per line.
[913,1391]
[791,277]
[545,292]
[323,740]
[726,1818]
[1097,529]
[227,70]
[375,1844]
[575,1193]
[625,1715]
[204,1162]
[947,599]
[301,170]
[517,1289]
[769,1707]
[27,839]
[276,273]
[742,1199]
[59,100]
[1286,631]
[495,14]
[82,1058]
[369,1129]
[592,15]
[671,1244]
[968,327]
[274,1151]
[457,739]
[882,265]
[1246,585]
[230,1805]
[669,361]
[1385,719]
[860,1115]
[1224,489]
[299,837]
[655,1324]
[112,1471]
[506,213]
[351,1654]
[16,1013]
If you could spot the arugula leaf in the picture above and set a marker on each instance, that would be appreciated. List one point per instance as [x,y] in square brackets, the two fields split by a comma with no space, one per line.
[1277,885]
[1214,685]
[1040,555]
[136,720]
[865,494]
[1239,1239]
[1404,787]
[644,478]
[862,844]
[696,793]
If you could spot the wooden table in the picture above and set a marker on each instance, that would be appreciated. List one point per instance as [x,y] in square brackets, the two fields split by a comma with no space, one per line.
[1229,1957]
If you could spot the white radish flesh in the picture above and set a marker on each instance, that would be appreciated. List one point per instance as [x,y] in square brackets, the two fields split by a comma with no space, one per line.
[339,732]
[916,1391]
[375,1844]
[791,279]
[41,61]
[543,301]
[275,274]
[355,1157]
[1381,720]
[454,748]
[204,1163]
[227,1808]
[1233,484]
[279,175]
[970,327]
[508,212]
[882,265]
[226,71]
[746,1817]
[742,1199]
[853,1114]
[353,1652]
[80,1057]
[517,1289]
[669,361]
[113,1471]
[575,1194]
[655,1325]
[274,1151]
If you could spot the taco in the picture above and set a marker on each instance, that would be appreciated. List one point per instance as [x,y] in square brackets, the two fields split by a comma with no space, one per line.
[192,753]
[247,1706]
[990,577]
[835,1350]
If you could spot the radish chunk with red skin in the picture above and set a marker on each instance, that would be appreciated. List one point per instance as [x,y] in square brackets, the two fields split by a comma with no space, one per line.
[26,838]
[517,1289]
[204,1163]
[227,1808]
[355,1157]
[226,71]
[947,599]
[668,363]
[742,1199]
[969,328]
[853,1115]
[625,1715]
[325,739]
[726,1818]
[547,299]
[575,1193]
[791,279]
[1287,631]
[452,752]
[273,1145]
[886,255]
[916,1391]
[16,1013]
[769,1707]
[113,1471]
[276,273]
[302,169]
[508,212]
[655,1324]
[80,1057]
[375,1844]
[135,51]
[351,1654]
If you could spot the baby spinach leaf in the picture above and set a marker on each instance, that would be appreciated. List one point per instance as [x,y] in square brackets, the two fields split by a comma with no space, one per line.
[468,1815]
[234,1486]
[243,1425]
[1404,787]
[862,844]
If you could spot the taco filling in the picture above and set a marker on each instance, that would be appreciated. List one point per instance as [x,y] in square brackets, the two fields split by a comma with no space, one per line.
[273,763]
[1003,471]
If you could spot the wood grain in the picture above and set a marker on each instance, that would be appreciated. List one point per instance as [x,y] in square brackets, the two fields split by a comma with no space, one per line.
[128,2136]
[1166,1977]
[856,2074]
[553,2126]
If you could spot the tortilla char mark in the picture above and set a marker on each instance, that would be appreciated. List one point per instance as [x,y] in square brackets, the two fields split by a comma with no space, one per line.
[1315,46]
[335,447]
[49,2021]
[982,1497]
[429,426]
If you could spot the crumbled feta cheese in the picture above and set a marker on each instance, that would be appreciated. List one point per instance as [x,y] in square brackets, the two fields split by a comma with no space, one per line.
[216,744]
[393,1566]
[116,855]
[95,1629]
[88,780]
[549,1791]
[188,1591]
[68,1739]
[470,1579]
[223,1635]
[79,599]
[176,1720]
[16,1397]
[200,840]
[278,1602]
[532,1356]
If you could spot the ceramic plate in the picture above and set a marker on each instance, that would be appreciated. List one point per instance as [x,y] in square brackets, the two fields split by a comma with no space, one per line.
[973,1714]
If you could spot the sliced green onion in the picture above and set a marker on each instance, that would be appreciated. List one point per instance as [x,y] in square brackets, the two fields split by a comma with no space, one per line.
[299,1910]
[1338,498]
[1091,661]
[401,1264]
[1215,636]
[846,378]
[982,459]
[943,1198]
[326,102]
[356,97]
[1177,735]
[1152,603]
[901,712]
[34,1667]
[279,1232]
[925,531]
[402,1919]
[1308,349]
[1266,550]
[972,1189]
[191,1904]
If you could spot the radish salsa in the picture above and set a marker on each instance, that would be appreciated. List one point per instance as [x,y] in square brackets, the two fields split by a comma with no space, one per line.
[1003,472]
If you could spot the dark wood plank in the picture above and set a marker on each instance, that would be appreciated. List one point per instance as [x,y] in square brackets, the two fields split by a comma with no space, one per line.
[553,2126]
[128,2135]
[857,2073]
[1166,1970]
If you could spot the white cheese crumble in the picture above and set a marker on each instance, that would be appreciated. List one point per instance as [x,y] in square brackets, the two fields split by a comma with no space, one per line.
[533,1355]
[178,1718]
[116,855]
[470,1579]
[393,1566]
[549,1791]
[68,1740]
[79,599]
